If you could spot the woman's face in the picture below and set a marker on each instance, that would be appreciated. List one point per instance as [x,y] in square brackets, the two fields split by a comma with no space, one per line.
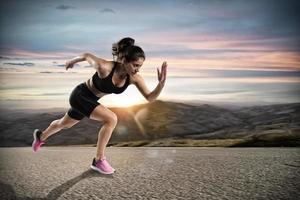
[134,66]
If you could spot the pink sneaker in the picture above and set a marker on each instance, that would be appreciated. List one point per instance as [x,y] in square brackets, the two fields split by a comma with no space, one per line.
[102,166]
[37,142]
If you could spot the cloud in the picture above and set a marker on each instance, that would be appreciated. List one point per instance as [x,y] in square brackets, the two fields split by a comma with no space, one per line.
[65,7]
[4,69]
[47,94]
[4,57]
[54,63]
[20,64]
[265,17]
[243,34]
[223,73]
[61,65]
[49,72]
[17,53]
[107,10]
[215,92]
[254,73]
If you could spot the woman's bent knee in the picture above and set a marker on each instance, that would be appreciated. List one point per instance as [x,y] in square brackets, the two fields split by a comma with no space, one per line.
[101,113]
[112,120]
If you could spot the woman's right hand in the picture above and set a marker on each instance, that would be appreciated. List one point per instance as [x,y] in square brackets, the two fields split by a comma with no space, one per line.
[69,64]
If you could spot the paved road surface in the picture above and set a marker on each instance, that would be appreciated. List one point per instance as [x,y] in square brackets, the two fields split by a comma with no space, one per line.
[151,173]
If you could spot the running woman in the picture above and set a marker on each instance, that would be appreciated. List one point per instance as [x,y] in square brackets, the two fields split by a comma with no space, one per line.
[110,77]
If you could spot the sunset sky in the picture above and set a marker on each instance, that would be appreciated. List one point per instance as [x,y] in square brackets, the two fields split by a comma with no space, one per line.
[232,51]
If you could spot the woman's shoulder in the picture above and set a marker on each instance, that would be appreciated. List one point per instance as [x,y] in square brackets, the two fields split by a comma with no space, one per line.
[105,68]
[135,78]
[109,65]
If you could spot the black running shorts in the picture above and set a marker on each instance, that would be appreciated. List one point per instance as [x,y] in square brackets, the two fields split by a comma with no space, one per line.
[82,102]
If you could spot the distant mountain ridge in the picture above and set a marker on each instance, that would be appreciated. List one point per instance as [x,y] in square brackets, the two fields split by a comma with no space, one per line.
[157,120]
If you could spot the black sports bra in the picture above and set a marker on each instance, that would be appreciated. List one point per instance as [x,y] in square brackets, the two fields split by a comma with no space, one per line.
[106,85]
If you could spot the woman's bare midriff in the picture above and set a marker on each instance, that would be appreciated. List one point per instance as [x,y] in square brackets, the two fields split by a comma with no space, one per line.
[93,89]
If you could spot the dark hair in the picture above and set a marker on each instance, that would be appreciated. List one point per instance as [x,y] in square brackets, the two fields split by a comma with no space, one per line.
[126,48]
[132,53]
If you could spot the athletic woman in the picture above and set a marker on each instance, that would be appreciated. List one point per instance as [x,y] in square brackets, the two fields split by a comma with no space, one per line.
[110,77]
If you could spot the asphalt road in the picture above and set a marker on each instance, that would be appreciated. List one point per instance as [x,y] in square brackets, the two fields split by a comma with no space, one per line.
[151,173]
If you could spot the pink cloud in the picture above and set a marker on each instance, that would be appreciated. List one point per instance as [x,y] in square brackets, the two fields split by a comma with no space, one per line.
[224,51]
[17,53]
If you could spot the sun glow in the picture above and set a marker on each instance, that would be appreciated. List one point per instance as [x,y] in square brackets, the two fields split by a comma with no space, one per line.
[129,98]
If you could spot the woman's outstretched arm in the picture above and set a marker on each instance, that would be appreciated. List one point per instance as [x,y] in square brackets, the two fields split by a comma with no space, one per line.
[142,87]
[94,61]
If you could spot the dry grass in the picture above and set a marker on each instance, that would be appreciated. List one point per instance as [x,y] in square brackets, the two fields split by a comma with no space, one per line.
[181,143]
[271,139]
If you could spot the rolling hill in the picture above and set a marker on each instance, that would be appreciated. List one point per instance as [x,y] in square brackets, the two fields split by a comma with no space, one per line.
[165,121]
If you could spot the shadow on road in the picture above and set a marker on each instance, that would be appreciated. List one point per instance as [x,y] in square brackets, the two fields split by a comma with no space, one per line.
[8,191]
[58,191]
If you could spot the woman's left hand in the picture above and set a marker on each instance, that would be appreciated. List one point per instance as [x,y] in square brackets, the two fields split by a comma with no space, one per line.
[162,74]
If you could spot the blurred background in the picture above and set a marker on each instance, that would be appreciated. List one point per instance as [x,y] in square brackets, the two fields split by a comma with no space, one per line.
[225,54]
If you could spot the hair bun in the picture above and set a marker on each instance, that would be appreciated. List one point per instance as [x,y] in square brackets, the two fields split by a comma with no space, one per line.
[124,43]
[120,49]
